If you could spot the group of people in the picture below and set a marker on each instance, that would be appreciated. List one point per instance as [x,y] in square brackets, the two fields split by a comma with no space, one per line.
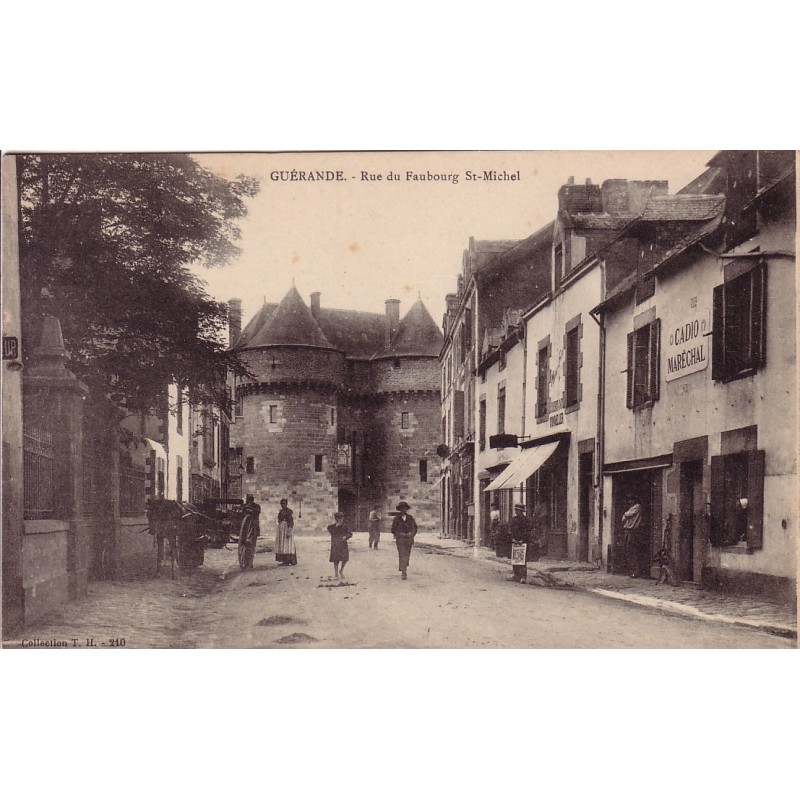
[404,529]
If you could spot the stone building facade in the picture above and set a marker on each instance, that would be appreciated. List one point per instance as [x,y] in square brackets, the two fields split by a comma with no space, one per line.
[342,411]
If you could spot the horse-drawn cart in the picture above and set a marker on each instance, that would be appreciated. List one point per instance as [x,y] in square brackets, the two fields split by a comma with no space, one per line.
[215,522]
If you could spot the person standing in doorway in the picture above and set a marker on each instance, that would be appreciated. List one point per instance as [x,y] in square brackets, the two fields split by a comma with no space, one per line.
[631,525]
[404,529]
[340,552]
[285,550]
[520,531]
[374,528]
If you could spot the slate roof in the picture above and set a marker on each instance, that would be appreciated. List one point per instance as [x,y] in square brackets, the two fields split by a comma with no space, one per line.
[590,221]
[255,324]
[683,207]
[417,335]
[358,334]
[292,323]
[712,181]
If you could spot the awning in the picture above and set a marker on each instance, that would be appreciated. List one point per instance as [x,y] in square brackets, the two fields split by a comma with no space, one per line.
[523,466]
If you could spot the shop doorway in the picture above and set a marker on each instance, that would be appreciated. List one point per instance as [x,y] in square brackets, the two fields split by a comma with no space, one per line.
[585,503]
[645,486]
[690,521]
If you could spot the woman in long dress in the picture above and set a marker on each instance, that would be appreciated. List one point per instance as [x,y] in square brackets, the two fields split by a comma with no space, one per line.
[285,550]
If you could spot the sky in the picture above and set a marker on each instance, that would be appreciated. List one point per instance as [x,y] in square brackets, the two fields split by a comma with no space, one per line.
[359,242]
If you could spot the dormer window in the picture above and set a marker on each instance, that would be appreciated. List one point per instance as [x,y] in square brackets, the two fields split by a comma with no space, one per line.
[558,261]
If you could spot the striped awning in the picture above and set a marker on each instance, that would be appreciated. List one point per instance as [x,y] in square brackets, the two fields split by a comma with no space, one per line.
[522,467]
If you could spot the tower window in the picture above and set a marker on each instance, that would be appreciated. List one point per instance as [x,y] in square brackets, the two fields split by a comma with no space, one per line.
[423,470]
[273,414]
[250,465]
[318,463]
[404,420]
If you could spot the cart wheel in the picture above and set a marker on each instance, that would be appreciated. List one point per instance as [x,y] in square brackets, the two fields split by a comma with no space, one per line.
[247,543]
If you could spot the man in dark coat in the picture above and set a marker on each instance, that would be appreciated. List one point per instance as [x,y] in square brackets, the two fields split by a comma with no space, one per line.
[404,529]
[520,531]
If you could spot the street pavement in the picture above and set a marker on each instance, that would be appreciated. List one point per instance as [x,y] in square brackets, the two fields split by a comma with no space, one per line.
[452,599]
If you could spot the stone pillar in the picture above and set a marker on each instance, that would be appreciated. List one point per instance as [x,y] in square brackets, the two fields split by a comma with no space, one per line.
[13,593]
[54,398]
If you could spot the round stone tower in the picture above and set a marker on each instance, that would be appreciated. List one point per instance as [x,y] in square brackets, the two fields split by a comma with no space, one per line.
[286,417]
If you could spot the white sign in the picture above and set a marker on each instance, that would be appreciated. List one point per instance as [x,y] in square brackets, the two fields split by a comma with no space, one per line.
[688,345]
[518,553]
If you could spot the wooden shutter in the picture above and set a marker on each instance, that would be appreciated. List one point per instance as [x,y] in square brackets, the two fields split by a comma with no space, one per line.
[717,526]
[755,499]
[655,355]
[630,371]
[759,318]
[718,335]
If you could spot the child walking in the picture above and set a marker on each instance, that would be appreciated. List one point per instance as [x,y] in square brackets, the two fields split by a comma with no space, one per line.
[340,552]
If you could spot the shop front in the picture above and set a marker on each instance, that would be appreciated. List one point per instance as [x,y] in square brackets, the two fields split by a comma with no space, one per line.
[636,537]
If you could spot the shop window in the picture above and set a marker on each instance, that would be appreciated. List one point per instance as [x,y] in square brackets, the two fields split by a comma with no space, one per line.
[543,379]
[404,420]
[423,470]
[737,499]
[739,327]
[643,367]
[318,463]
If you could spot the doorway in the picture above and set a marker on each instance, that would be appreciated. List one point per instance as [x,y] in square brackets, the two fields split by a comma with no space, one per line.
[585,503]
[347,505]
[645,486]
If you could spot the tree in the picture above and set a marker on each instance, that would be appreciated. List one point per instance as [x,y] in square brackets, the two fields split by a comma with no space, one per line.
[106,244]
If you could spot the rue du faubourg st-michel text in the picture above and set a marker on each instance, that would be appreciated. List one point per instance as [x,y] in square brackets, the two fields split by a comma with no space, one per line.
[392,176]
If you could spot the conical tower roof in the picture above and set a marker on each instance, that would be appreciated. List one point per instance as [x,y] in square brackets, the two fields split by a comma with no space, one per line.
[416,335]
[292,323]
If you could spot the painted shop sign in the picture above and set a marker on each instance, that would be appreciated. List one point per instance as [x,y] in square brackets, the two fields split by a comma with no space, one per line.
[688,345]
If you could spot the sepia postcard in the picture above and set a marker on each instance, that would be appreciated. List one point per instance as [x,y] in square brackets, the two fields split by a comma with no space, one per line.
[416,400]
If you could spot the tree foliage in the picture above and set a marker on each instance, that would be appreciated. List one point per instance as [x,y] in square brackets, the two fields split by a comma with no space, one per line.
[106,245]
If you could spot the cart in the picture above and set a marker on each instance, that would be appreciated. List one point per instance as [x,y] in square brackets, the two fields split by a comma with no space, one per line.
[215,522]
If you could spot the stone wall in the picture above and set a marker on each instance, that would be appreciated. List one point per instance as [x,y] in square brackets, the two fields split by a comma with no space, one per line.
[284,452]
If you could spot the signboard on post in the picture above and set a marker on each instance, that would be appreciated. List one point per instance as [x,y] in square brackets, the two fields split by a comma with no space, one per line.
[518,553]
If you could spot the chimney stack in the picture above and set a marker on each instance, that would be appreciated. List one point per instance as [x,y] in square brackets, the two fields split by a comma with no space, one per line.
[392,319]
[234,320]
[315,304]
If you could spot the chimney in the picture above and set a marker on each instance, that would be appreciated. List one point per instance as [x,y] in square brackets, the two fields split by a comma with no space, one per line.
[392,319]
[315,304]
[579,198]
[234,320]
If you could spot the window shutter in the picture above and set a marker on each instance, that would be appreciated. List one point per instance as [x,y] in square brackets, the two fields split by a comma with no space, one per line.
[655,355]
[631,360]
[718,336]
[755,499]
[717,527]
[759,354]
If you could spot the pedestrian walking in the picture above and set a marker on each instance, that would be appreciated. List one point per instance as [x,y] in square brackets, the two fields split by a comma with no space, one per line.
[340,552]
[519,530]
[404,529]
[631,523]
[374,528]
[285,550]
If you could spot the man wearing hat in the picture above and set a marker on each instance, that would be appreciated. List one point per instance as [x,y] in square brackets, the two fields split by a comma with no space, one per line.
[404,529]
[520,531]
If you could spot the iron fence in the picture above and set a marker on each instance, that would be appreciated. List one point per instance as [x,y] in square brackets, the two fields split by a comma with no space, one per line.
[38,465]
[131,492]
